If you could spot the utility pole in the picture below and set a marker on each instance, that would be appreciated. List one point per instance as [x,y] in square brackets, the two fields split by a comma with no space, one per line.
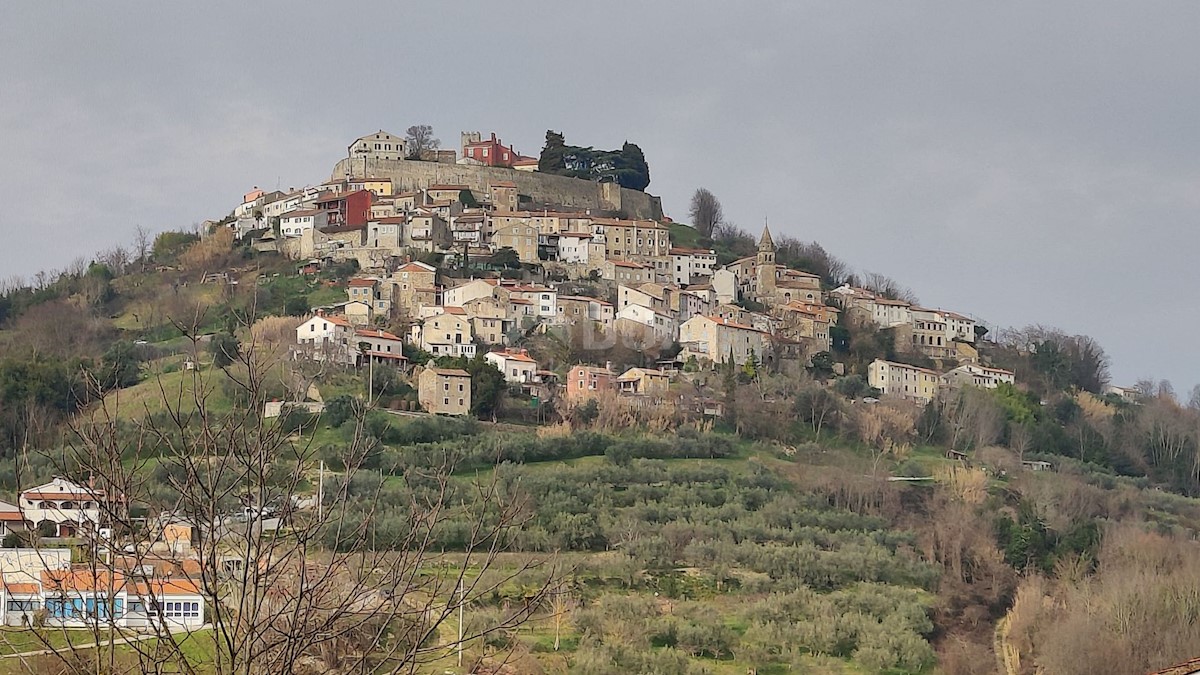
[320,489]
[461,593]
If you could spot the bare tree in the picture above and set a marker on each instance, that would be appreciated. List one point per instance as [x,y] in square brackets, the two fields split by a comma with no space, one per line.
[299,571]
[115,258]
[888,287]
[419,139]
[141,245]
[705,212]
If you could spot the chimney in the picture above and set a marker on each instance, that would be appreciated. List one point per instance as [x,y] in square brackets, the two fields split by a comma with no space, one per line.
[608,366]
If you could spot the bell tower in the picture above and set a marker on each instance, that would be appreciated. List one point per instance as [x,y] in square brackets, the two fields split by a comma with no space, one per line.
[765,265]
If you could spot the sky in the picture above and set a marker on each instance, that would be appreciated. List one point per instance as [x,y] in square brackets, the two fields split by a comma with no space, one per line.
[1022,162]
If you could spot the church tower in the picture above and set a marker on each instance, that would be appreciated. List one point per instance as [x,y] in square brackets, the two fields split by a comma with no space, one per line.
[765,267]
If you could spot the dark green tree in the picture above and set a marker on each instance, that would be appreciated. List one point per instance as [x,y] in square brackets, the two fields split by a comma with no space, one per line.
[225,349]
[119,367]
[631,168]
[552,157]
[487,383]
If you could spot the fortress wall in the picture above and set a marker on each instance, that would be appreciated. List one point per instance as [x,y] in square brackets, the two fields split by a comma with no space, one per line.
[408,175]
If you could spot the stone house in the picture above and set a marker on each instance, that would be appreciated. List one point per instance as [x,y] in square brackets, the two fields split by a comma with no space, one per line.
[643,381]
[718,340]
[444,391]
[519,237]
[623,272]
[379,145]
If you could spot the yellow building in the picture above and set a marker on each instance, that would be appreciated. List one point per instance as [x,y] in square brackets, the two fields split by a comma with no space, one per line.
[901,379]
[519,237]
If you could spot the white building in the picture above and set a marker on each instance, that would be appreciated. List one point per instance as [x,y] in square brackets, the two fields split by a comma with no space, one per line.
[663,325]
[959,327]
[446,334]
[296,223]
[692,265]
[323,331]
[83,598]
[379,145]
[979,376]
[474,289]
[517,365]
[71,507]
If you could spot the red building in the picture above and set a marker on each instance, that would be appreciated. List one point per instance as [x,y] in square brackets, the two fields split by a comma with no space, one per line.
[490,151]
[348,208]
[584,382]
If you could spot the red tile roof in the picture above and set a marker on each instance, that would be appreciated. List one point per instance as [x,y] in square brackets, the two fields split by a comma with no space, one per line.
[381,334]
[514,355]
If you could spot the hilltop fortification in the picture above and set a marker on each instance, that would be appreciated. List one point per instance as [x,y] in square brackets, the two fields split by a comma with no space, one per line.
[540,188]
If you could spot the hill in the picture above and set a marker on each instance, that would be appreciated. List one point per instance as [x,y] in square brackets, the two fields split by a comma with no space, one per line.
[752,516]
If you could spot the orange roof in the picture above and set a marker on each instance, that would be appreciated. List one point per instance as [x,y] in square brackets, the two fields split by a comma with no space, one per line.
[451,372]
[381,334]
[22,589]
[362,282]
[82,580]
[414,267]
[503,184]
[731,324]
[86,580]
[335,320]
[165,587]
[63,496]
[447,187]
[621,263]
[515,356]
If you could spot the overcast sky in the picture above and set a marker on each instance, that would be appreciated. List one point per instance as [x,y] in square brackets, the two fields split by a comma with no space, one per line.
[1024,162]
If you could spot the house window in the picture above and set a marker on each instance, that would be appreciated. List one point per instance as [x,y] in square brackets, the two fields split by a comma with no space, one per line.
[460,402]
[445,401]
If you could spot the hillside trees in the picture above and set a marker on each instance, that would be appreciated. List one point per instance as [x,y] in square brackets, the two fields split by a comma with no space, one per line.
[705,212]
[346,589]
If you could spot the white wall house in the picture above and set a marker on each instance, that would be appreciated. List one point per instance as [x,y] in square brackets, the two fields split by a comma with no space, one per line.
[71,507]
[295,223]
[692,265]
[517,365]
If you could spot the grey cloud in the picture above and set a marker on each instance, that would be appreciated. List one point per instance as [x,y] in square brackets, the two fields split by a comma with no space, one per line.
[1025,161]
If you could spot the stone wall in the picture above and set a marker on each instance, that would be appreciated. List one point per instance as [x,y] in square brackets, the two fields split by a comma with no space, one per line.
[543,189]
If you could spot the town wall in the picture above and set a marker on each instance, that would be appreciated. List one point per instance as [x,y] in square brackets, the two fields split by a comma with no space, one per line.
[573,193]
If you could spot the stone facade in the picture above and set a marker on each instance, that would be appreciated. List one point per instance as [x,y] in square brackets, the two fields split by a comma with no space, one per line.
[444,391]
[541,188]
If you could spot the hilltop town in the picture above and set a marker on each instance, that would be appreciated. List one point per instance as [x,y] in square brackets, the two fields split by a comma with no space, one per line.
[454,270]
[471,411]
